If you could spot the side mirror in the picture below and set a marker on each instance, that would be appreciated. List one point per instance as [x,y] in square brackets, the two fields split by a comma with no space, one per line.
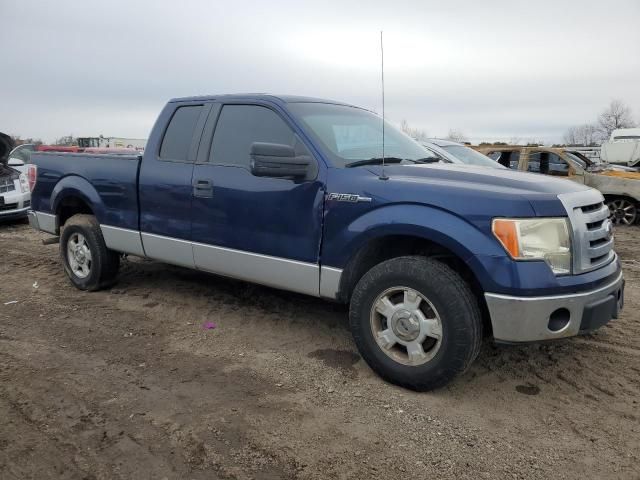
[276,160]
[15,162]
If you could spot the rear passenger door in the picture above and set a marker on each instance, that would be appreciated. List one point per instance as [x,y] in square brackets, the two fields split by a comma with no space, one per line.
[261,229]
[165,184]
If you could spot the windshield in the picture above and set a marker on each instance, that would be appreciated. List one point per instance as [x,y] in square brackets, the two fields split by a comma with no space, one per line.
[350,134]
[470,156]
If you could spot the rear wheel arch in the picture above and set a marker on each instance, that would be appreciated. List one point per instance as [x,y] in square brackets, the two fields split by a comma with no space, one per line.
[72,205]
[75,195]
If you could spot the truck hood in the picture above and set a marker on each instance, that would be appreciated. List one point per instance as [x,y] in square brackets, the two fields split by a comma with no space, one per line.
[474,192]
[481,178]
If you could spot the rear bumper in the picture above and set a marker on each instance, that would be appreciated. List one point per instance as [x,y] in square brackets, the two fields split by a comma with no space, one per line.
[33,220]
[530,319]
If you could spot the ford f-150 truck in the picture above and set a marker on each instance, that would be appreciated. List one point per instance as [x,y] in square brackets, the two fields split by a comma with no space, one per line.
[304,195]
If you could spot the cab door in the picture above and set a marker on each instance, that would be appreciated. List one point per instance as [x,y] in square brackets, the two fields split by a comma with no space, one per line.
[165,191]
[261,229]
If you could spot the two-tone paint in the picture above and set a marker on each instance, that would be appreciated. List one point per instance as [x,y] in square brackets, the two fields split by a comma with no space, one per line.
[302,235]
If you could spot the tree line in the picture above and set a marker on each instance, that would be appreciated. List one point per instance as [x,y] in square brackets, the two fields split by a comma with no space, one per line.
[616,115]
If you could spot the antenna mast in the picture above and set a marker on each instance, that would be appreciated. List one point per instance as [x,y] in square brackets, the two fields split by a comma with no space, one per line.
[383,176]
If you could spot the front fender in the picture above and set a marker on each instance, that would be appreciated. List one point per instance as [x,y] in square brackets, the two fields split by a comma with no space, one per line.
[465,240]
[79,187]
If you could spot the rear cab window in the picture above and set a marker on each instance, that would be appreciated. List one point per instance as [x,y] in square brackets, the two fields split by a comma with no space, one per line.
[178,137]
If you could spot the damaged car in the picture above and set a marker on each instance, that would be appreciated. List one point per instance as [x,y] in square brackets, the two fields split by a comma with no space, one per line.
[15,195]
[620,187]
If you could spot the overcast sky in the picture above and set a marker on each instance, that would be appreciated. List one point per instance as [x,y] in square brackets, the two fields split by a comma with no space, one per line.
[493,70]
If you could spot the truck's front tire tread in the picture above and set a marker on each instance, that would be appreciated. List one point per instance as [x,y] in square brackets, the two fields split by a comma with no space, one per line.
[456,304]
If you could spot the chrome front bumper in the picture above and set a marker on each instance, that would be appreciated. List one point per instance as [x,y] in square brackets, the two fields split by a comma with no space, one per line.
[530,319]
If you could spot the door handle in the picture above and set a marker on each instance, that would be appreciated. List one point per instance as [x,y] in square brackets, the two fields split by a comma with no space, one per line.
[202,188]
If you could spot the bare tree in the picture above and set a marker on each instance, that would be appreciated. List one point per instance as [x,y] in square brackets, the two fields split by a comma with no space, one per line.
[616,115]
[414,133]
[583,135]
[570,137]
[67,141]
[456,135]
[18,140]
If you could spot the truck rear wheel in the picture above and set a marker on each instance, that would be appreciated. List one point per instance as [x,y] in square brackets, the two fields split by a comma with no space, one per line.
[415,322]
[85,257]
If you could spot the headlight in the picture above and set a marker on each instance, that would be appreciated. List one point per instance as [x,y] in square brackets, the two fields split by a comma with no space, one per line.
[24,183]
[536,238]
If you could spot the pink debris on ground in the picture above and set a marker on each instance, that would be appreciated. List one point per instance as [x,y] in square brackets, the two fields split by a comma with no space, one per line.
[208,325]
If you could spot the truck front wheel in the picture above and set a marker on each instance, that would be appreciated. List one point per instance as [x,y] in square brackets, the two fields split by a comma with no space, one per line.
[85,257]
[415,322]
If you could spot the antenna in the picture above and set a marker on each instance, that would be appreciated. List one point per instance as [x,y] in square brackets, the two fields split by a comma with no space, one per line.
[382,176]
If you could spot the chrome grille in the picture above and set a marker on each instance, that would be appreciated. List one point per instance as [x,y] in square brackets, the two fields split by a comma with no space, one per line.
[6,185]
[592,238]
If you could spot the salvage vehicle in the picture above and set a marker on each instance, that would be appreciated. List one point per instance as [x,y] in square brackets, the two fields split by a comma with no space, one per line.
[621,188]
[454,152]
[15,195]
[623,147]
[307,195]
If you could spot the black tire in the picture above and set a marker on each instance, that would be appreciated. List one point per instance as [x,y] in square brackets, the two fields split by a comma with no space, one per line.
[456,306]
[622,210]
[104,263]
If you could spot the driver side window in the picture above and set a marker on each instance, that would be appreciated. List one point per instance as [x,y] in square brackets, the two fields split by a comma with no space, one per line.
[239,126]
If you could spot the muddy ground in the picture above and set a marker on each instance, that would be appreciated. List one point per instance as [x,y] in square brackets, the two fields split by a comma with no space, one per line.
[127,384]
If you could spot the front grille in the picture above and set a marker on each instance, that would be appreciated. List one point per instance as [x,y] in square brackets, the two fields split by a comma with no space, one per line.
[8,206]
[6,185]
[591,229]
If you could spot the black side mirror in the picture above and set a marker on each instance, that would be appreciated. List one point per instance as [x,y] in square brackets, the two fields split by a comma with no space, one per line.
[276,160]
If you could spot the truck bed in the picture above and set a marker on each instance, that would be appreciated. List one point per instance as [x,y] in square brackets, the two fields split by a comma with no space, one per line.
[110,180]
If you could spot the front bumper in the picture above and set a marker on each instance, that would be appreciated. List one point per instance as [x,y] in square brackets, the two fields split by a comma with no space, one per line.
[14,204]
[530,319]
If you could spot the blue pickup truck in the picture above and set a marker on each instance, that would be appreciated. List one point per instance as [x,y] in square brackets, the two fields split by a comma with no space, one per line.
[303,194]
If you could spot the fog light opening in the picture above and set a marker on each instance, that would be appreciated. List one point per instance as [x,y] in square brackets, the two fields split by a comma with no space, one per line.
[559,319]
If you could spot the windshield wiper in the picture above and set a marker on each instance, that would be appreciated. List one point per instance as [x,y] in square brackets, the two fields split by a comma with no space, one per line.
[426,160]
[374,161]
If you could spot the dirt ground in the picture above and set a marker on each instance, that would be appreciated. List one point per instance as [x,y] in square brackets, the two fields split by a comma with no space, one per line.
[128,384]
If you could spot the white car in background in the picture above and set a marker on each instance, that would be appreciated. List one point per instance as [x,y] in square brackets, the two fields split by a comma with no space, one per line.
[15,195]
[453,152]
[20,157]
[623,148]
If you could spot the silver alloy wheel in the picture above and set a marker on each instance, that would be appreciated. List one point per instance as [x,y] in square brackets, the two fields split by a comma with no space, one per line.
[406,326]
[622,211]
[79,255]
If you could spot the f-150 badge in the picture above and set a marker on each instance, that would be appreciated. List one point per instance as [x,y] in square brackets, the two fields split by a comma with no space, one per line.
[347,197]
